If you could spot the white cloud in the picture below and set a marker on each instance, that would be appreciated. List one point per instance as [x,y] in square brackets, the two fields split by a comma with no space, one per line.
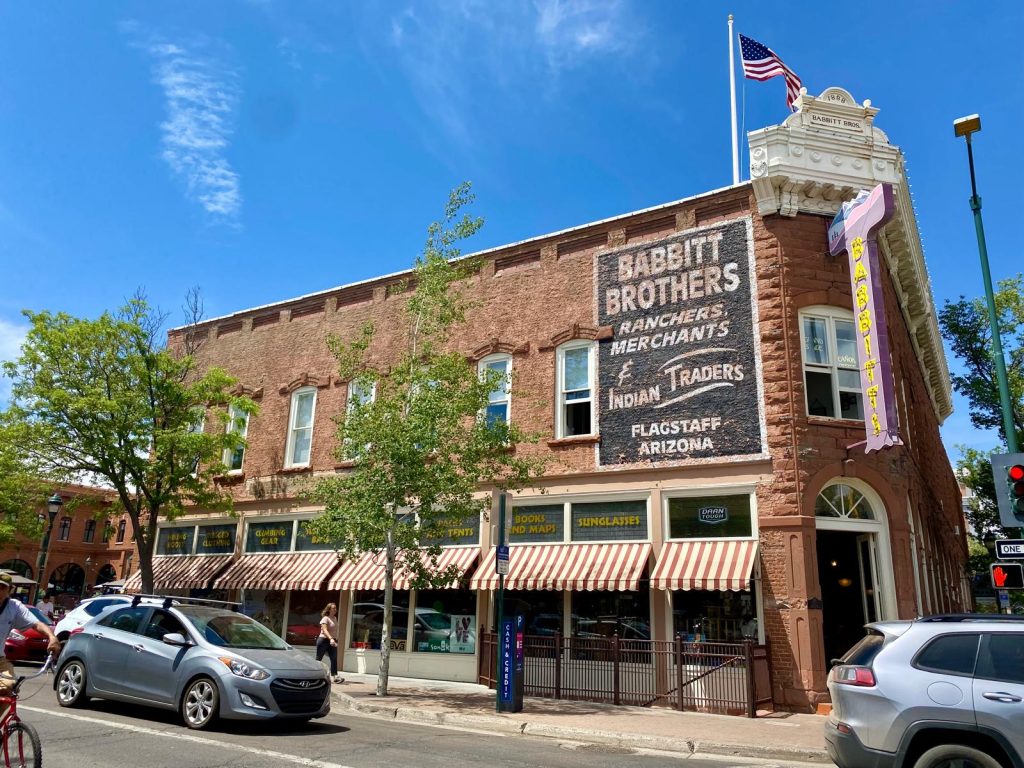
[12,336]
[522,49]
[201,100]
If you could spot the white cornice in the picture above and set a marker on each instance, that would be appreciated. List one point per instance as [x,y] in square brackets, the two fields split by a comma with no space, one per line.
[824,154]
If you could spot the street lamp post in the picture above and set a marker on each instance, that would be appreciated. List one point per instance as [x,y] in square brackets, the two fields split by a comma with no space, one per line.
[85,578]
[965,126]
[53,505]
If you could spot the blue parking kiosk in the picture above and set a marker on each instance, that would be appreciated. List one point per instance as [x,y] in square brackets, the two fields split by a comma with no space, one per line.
[510,656]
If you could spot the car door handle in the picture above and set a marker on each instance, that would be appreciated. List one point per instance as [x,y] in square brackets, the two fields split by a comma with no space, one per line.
[1007,698]
[99,634]
[140,647]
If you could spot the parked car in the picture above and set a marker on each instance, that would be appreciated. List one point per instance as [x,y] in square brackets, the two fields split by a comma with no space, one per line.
[28,644]
[939,692]
[186,654]
[86,611]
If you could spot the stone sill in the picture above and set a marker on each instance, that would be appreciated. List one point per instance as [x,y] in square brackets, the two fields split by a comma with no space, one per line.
[564,442]
[825,421]
[294,470]
[231,478]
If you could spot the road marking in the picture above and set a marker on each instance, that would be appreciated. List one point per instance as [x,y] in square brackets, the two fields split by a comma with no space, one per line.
[293,759]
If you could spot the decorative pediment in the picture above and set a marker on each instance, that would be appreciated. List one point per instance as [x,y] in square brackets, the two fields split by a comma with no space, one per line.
[306,380]
[495,346]
[823,155]
[240,390]
[578,331]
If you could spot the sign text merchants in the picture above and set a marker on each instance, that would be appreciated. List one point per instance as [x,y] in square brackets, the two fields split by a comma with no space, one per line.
[679,380]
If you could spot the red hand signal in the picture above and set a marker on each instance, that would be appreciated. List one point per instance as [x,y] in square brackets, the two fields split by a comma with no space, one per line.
[999,576]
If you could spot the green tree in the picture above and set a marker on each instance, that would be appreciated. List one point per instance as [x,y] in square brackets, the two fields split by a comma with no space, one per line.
[422,457]
[107,401]
[21,495]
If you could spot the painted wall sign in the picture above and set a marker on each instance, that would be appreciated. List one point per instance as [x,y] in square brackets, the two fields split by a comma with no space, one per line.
[538,523]
[454,532]
[854,231]
[712,515]
[307,542]
[609,521]
[175,541]
[269,537]
[679,380]
[216,539]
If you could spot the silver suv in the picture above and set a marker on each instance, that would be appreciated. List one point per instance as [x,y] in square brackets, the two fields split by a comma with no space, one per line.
[939,692]
[194,656]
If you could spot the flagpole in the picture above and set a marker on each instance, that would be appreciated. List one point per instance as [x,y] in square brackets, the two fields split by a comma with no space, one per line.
[732,104]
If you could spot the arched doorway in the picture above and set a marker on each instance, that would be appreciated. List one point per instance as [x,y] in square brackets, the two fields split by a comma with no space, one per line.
[854,562]
[67,578]
[19,567]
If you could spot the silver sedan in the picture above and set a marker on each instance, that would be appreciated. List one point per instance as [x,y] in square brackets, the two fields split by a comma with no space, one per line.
[204,661]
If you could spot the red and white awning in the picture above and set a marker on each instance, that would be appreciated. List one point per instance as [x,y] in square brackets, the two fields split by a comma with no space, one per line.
[711,565]
[279,570]
[580,567]
[368,571]
[180,572]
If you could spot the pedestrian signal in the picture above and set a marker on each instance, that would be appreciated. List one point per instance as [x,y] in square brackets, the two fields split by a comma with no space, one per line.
[1007,576]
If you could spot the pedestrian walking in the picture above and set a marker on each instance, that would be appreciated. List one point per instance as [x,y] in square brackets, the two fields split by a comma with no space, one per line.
[325,642]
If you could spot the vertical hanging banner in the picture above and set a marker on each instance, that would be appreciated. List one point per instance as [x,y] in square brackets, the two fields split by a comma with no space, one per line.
[854,231]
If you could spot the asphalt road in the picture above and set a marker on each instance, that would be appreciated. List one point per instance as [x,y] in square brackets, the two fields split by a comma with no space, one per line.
[105,734]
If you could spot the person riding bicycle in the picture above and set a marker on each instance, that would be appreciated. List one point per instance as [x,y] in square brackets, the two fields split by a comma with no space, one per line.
[15,615]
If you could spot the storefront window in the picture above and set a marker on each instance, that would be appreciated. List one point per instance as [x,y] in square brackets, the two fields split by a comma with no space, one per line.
[174,541]
[609,520]
[216,539]
[542,610]
[304,613]
[606,614]
[445,621]
[724,617]
[266,606]
[710,517]
[368,618]
[269,537]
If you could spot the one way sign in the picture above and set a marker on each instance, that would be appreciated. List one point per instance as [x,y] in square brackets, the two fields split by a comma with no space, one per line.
[1007,576]
[1010,549]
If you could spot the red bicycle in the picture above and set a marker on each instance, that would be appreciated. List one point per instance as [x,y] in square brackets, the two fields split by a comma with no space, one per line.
[21,747]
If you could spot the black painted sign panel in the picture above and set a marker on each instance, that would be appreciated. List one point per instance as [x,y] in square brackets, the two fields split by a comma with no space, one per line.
[609,521]
[216,539]
[269,537]
[453,532]
[305,541]
[679,378]
[537,523]
[175,541]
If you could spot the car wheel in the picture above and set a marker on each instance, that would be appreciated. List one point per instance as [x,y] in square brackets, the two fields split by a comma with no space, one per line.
[200,704]
[956,756]
[71,684]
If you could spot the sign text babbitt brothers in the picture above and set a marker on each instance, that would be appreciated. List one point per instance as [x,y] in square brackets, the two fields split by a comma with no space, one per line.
[679,379]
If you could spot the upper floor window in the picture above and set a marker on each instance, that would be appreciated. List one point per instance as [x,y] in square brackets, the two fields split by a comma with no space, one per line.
[499,400]
[64,532]
[360,393]
[238,424]
[831,372]
[90,531]
[196,427]
[120,531]
[300,427]
[843,501]
[575,389]
[108,531]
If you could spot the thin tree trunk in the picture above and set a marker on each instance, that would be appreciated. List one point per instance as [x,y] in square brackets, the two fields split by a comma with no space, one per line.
[389,595]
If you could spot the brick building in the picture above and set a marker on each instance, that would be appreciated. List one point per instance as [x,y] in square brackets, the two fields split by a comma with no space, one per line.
[90,543]
[692,368]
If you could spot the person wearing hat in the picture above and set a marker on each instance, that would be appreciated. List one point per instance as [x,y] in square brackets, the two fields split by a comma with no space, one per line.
[14,614]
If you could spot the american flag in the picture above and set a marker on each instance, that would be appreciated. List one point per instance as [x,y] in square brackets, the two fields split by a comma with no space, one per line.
[762,63]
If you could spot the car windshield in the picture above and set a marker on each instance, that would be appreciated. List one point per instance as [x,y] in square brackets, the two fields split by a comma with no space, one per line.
[40,616]
[864,652]
[231,630]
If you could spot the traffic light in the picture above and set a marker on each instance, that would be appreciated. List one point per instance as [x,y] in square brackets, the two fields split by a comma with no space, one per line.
[1008,474]
[1015,488]
[1007,576]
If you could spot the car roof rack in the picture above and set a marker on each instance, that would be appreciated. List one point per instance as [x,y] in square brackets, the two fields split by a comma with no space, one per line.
[169,600]
[965,617]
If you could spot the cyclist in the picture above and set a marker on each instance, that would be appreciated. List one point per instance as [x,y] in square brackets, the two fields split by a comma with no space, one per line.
[15,615]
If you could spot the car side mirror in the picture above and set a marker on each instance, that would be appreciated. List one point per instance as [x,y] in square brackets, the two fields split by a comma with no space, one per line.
[176,638]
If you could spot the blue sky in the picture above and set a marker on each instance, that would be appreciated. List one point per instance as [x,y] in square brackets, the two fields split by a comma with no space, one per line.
[263,149]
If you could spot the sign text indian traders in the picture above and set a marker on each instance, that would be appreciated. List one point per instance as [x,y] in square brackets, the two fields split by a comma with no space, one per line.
[679,378]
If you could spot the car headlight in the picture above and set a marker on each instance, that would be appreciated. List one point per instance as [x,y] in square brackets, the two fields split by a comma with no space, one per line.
[244,669]
[16,635]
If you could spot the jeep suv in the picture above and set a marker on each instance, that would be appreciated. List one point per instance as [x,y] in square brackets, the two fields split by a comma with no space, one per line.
[938,692]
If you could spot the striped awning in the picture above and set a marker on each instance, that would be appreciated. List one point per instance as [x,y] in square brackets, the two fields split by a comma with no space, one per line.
[368,571]
[712,565]
[580,567]
[278,570]
[180,572]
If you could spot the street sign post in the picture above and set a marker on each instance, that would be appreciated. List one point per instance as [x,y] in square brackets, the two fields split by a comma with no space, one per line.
[501,562]
[1009,549]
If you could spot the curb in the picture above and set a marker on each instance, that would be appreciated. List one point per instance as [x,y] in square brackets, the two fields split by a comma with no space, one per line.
[680,745]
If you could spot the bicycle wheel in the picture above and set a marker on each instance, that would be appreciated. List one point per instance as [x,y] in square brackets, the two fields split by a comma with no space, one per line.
[21,746]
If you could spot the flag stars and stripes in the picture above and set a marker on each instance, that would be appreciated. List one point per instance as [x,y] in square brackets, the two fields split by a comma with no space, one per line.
[762,63]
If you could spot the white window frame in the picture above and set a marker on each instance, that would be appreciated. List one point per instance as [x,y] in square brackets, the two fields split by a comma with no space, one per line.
[290,445]
[350,404]
[710,490]
[482,368]
[830,315]
[236,415]
[196,427]
[560,401]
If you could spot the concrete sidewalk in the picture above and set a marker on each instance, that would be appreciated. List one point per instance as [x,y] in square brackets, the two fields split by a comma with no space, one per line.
[778,736]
